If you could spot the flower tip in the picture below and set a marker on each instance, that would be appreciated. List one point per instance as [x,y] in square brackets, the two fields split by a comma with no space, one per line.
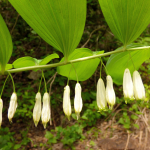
[78,116]
[68,118]
[36,123]
[110,107]
[10,120]
[44,125]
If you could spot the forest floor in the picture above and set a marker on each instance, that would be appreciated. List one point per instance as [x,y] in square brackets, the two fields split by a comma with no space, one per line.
[103,136]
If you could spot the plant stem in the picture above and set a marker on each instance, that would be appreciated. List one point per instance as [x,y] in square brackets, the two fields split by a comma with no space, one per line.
[3,86]
[75,71]
[72,61]
[104,66]
[69,75]
[132,60]
[44,81]
[101,69]
[40,84]
[12,81]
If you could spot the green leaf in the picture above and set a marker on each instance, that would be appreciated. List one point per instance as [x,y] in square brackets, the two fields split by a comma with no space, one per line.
[17,146]
[5,45]
[24,62]
[127,19]
[59,22]
[84,69]
[49,135]
[29,61]
[127,126]
[8,66]
[48,59]
[121,120]
[134,117]
[117,63]
[136,126]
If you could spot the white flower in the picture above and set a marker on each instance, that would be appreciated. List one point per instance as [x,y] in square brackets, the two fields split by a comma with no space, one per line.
[37,109]
[12,106]
[101,95]
[66,102]
[46,109]
[78,100]
[1,108]
[139,90]
[128,85]
[110,93]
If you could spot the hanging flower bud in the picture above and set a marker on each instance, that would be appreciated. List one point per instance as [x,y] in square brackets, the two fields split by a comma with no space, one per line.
[110,93]
[128,85]
[37,109]
[1,108]
[46,109]
[78,100]
[101,95]
[12,106]
[139,90]
[66,102]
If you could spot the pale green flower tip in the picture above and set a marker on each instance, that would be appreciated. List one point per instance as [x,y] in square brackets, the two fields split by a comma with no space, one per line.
[36,123]
[10,120]
[110,107]
[68,118]
[78,115]
[44,125]
[102,109]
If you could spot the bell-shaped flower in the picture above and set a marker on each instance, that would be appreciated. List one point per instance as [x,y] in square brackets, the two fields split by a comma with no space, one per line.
[110,93]
[12,106]
[37,109]
[101,95]
[78,100]
[46,109]
[139,90]
[1,108]
[128,85]
[66,102]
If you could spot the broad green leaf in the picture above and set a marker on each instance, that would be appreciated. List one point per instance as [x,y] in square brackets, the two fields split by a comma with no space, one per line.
[48,59]
[5,45]
[8,66]
[126,18]
[84,69]
[29,61]
[59,22]
[24,62]
[117,63]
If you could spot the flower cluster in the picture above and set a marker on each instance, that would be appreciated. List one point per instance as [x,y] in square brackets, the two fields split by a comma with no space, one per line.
[105,95]
[12,107]
[41,112]
[77,101]
[133,90]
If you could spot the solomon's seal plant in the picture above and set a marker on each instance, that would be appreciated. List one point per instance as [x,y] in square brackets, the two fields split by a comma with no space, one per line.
[110,93]
[12,106]
[45,109]
[67,102]
[101,95]
[139,90]
[78,104]
[63,31]
[37,109]
[128,85]
[1,109]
